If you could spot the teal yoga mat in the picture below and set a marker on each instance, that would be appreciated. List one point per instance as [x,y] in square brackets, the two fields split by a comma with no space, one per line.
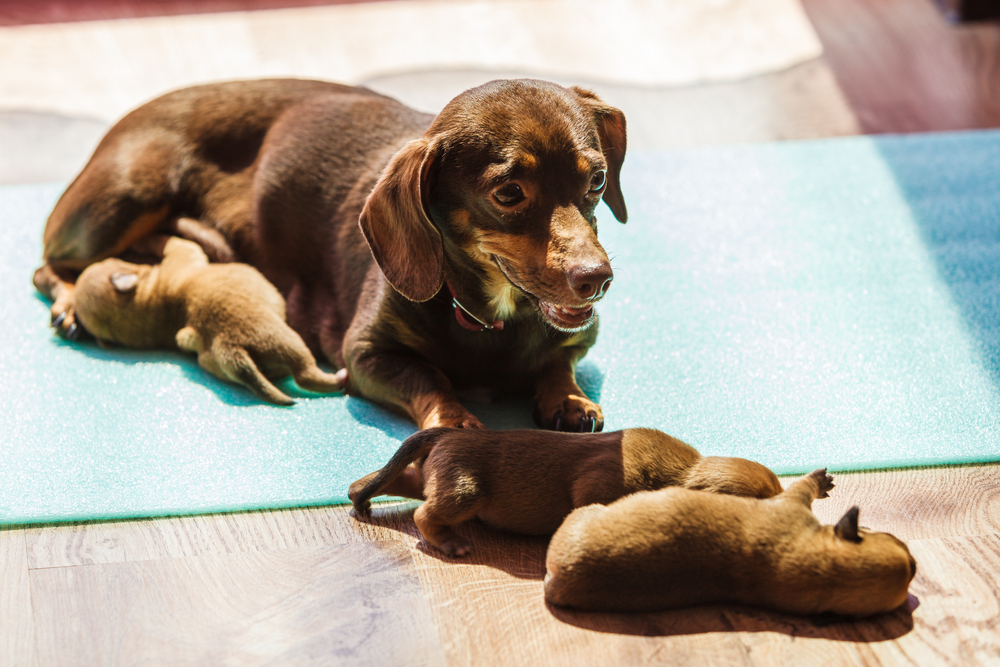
[832,303]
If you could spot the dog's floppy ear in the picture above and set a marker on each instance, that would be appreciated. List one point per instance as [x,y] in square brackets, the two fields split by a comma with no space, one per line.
[397,225]
[847,527]
[611,129]
[123,282]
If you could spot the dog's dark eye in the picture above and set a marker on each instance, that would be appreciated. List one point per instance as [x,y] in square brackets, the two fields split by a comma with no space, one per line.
[509,195]
[598,180]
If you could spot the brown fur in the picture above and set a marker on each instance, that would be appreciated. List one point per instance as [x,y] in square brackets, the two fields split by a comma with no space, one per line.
[360,209]
[228,314]
[528,481]
[676,547]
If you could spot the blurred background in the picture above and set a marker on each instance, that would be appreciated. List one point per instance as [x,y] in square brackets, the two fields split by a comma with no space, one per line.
[685,72]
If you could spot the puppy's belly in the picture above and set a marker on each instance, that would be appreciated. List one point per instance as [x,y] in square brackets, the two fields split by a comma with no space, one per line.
[517,518]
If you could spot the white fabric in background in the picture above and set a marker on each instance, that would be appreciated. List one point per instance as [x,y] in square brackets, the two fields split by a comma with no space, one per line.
[102,69]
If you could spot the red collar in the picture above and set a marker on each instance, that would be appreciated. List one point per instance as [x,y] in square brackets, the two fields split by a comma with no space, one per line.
[467,319]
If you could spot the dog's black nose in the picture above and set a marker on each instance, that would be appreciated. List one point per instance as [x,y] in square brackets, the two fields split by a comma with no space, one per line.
[591,282]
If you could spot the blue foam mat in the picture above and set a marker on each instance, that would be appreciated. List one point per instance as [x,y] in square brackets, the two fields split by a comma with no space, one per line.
[832,303]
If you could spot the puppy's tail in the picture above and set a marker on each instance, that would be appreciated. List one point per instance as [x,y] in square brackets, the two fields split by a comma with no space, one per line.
[239,366]
[417,446]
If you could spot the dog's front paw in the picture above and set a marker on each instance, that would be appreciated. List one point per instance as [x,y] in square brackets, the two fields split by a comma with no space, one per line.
[450,417]
[573,413]
[64,321]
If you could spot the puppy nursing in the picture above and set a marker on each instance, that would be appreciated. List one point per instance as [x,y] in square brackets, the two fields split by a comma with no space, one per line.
[528,481]
[676,547]
[228,314]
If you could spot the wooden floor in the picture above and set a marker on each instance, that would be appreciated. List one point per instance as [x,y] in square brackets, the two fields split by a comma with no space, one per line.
[316,586]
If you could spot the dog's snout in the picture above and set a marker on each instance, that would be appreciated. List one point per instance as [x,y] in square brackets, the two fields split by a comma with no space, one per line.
[591,282]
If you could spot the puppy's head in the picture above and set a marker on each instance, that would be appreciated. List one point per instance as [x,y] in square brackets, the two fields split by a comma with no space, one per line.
[871,571]
[503,189]
[105,296]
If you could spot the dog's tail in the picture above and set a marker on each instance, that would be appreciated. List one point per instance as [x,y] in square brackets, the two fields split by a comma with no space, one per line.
[417,446]
[238,365]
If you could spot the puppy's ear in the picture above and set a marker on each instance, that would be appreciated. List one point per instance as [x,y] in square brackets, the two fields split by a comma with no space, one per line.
[611,129]
[847,527]
[396,223]
[124,282]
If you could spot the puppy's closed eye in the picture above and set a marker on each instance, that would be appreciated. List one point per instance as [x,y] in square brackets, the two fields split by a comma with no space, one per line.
[124,282]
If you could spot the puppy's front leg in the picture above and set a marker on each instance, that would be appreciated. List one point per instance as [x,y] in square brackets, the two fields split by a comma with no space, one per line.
[816,484]
[559,402]
[410,385]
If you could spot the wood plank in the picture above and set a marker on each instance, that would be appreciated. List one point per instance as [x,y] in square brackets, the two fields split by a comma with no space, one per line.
[957,590]
[94,542]
[489,609]
[950,618]
[479,602]
[350,604]
[904,68]
[27,12]
[17,641]
[919,503]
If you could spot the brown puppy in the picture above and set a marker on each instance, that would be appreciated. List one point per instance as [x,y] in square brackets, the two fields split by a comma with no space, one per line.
[490,205]
[676,547]
[228,314]
[528,481]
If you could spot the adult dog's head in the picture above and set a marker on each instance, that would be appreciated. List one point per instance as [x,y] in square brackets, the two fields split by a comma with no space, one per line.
[500,192]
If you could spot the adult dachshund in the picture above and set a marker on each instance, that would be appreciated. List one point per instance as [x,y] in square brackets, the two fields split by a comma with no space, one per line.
[476,261]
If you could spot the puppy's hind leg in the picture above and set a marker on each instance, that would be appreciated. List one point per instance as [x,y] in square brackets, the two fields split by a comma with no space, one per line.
[235,364]
[436,525]
[454,495]
[305,371]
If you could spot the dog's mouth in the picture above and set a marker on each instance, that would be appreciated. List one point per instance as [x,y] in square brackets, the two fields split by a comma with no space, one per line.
[565,318]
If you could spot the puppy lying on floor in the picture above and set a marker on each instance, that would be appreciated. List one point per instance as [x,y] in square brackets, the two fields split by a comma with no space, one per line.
[677,547]
[528,481]
[228,314]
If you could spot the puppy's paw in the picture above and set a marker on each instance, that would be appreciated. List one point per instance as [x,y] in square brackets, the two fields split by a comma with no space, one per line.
[455,547]
[824,482]
[574,413]
[363,507]
[362,512]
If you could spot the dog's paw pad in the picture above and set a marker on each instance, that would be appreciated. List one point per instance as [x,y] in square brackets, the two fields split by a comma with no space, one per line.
[576,414]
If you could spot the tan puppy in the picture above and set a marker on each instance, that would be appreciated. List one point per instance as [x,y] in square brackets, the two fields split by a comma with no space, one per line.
[676,547]
[528,481]
[228,314]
